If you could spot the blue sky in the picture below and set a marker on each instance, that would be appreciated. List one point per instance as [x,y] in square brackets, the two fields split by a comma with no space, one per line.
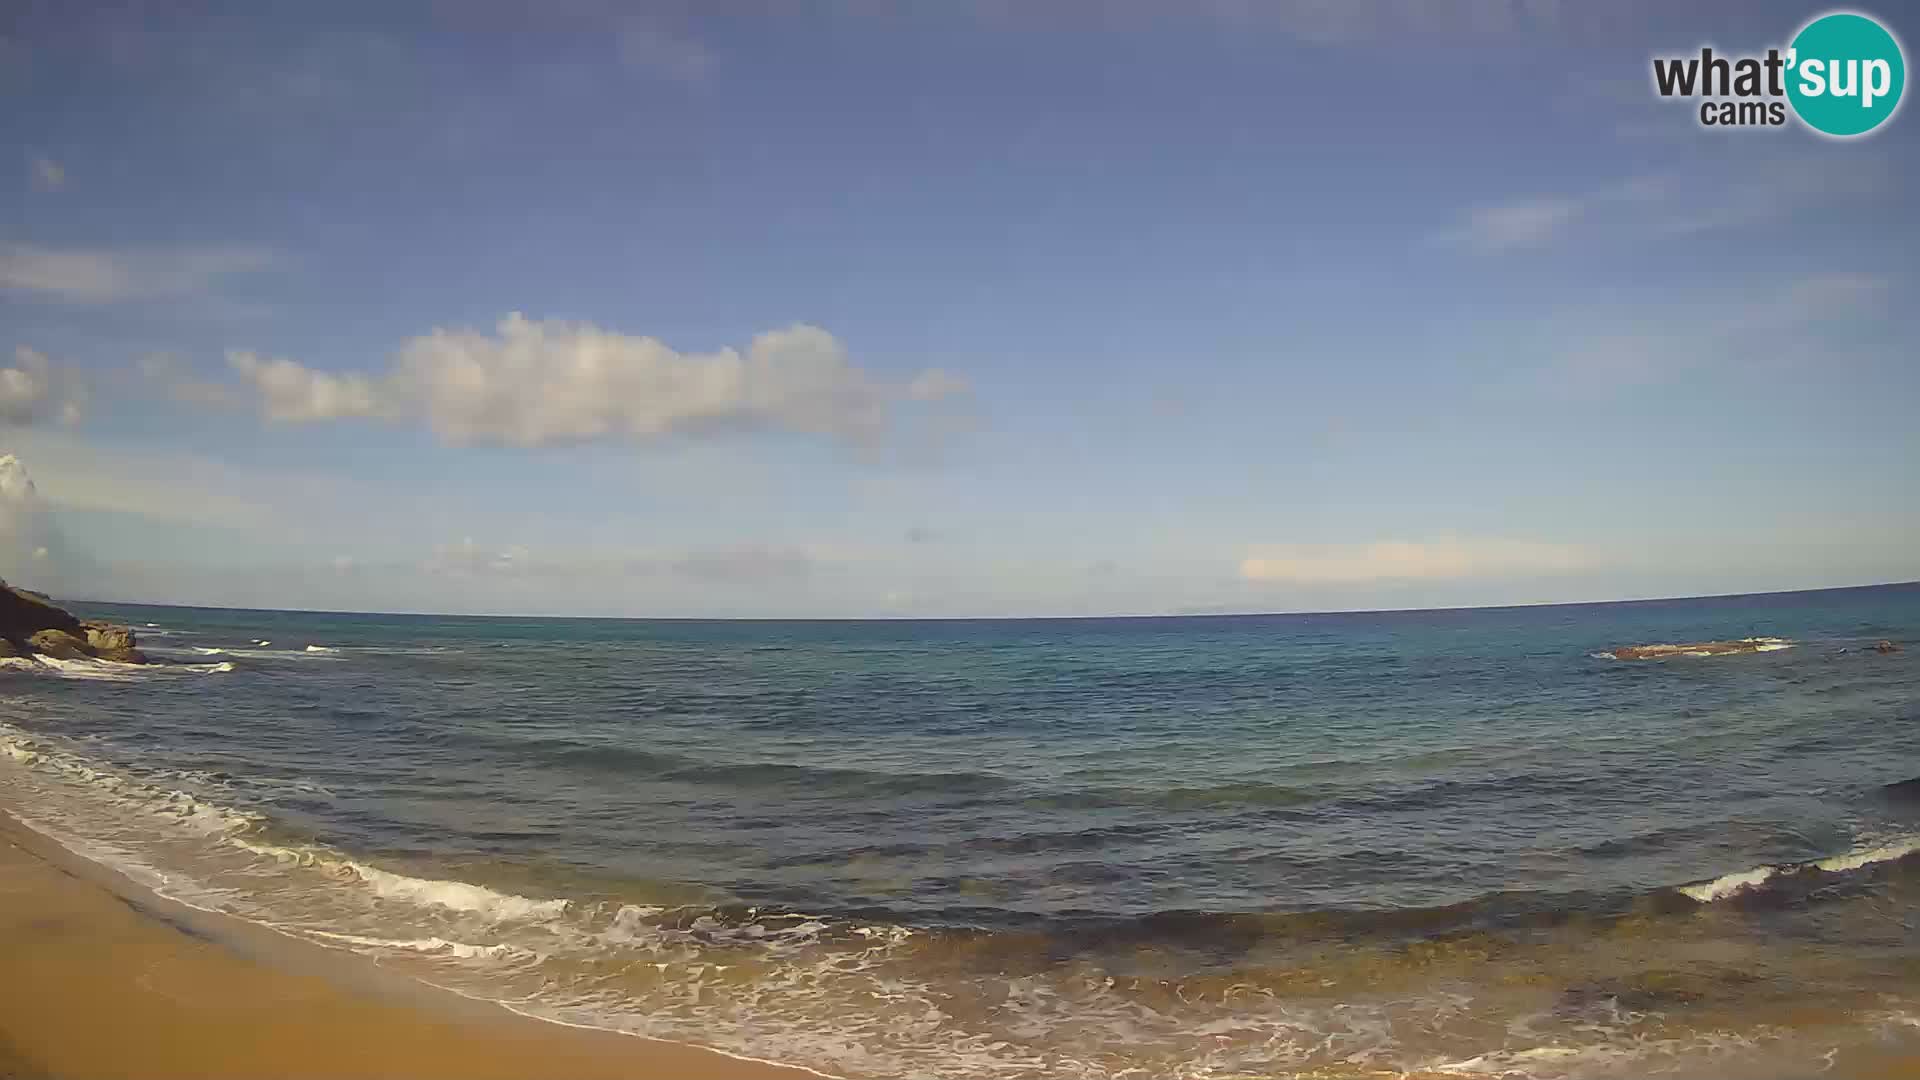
[935,309]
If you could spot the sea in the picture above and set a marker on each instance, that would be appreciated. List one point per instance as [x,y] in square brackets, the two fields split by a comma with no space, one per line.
[1428,843]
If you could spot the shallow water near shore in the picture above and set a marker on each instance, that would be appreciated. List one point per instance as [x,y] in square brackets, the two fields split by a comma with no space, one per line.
[1452,843]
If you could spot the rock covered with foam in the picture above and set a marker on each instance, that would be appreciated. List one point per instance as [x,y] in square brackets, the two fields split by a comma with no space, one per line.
[1700,648]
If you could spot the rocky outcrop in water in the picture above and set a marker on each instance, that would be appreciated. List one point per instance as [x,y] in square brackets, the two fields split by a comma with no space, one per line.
[1699,648]
[31,624]
[58,644]
[110,641]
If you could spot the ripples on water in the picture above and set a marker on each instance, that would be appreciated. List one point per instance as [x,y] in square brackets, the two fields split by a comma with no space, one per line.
[1330,845]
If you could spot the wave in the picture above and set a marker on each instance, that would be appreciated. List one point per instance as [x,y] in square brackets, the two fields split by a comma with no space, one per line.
[170,804]
[441,893]
[1902,791]
[630,761]
[320,649]
[1859,857]
[1200,797]
[792,983]
[750,774]
[433,945]
[104,670]
[455,895]
[245,653]
[256,834]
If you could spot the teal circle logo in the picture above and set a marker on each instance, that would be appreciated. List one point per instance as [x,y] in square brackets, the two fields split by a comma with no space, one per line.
[1845,74]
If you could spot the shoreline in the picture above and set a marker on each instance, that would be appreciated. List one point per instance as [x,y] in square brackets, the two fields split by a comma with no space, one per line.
[192,993]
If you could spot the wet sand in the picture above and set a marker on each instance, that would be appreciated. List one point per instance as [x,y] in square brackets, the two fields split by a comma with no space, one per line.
[100,978]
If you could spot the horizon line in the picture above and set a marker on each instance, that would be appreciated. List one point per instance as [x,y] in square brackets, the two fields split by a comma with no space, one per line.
[1014,618]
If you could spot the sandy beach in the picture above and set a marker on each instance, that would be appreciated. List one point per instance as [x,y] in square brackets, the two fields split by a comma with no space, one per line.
[99,978]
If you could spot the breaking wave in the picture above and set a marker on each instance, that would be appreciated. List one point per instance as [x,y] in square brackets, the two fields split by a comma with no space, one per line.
[105,670]
[1859,857]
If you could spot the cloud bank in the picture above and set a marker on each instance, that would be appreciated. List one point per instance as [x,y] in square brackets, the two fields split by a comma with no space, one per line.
[101,277]
[32,550]
[539,383]
[1400,560]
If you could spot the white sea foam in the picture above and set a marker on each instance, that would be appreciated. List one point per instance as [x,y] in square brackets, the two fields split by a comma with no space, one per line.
[102,670]
[1897,848]
[431,945]
[321,649]
[1862,855]
[243,653]
[235,828]
[175,806]
[1728,884]
[455,895]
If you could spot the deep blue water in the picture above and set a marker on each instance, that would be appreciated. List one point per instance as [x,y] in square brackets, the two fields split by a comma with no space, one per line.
[1070,792]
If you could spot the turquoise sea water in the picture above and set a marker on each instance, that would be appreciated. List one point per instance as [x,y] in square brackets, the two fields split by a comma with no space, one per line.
[1464,842]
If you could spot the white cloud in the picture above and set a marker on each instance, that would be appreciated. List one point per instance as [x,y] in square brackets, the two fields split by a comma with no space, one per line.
[34,388]
[16,487]
[292,393]
[550,382]
[648,47]
[1331,23]
[1400,560]
[48,174]
[102,276]
[467,559]
[934,384]
[32,550]
[172,377]
[1648,206]
[1609,352]
[87,474]
[745,565]
[1838,292]
[1518,225]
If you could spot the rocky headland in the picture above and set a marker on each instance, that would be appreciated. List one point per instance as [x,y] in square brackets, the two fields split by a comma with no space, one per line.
[33,625]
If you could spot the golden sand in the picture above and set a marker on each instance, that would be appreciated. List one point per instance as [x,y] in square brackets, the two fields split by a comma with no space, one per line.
[99,978]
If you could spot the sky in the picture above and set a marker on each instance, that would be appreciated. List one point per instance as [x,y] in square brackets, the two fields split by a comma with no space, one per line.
[857,309]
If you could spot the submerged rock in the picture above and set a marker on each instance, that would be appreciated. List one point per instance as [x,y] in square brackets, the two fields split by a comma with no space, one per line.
[1906,791]
[1700,648]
